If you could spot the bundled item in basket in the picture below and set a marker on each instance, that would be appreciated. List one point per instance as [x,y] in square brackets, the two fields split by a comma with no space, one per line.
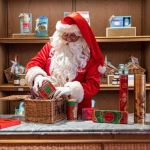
[46,90]
[110,116]
[34,95]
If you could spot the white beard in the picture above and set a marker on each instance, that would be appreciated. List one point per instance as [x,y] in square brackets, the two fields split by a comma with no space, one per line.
[67,59]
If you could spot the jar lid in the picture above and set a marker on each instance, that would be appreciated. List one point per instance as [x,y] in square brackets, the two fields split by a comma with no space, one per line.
[114,79]
[42,17]
[116,73]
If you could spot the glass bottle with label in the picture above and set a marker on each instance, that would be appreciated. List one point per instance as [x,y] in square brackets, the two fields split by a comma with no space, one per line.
[16,76]
[16,80]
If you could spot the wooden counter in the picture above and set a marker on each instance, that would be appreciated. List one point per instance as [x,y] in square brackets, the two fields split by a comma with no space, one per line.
[76,135]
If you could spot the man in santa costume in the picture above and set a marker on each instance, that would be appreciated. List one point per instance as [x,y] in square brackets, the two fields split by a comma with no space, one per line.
[72,62]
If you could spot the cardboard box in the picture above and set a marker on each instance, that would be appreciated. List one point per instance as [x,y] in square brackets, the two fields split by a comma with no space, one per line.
[128,31]
[120,21]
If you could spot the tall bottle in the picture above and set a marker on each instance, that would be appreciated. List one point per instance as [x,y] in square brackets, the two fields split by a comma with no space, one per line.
[16,73]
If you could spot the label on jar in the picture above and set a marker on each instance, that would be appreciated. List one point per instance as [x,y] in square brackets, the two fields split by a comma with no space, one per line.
[16,82]
[22,82]
[72,107]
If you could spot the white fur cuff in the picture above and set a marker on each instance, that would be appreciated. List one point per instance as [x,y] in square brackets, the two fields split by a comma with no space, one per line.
[77,91]
[32,73]
[66,28]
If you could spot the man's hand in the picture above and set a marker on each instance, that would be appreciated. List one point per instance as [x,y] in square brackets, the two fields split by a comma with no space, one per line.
[62,91]
[38,82]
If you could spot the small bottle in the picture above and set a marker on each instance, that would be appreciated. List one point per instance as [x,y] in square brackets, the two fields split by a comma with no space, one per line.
[16,80]
[16,76]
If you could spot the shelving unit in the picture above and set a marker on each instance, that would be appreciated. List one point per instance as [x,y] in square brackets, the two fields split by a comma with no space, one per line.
[98,39]
[103,87]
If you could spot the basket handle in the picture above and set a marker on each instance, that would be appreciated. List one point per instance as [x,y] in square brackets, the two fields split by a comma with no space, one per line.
[105,59]
[16,58]
[132,59]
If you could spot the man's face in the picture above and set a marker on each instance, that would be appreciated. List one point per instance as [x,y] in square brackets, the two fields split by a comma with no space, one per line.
[70,37]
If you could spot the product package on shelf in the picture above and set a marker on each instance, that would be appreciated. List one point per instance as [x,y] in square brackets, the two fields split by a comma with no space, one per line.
[25,23]
[123,92]
[41,26]
[120,21]
[110,116]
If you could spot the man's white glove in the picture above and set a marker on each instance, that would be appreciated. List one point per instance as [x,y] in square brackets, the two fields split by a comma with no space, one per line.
[38,82]
[62,91]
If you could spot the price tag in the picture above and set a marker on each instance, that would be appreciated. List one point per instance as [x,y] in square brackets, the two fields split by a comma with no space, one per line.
[20,89]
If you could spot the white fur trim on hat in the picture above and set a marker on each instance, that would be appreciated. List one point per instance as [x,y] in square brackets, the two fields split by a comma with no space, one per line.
[77,91]
[102,69]
[32,73]
[66,28]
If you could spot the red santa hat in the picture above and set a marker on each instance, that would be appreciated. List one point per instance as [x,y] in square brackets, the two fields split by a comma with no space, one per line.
[74,22]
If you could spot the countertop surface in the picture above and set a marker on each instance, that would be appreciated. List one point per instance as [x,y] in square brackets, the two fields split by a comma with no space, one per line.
[76,127]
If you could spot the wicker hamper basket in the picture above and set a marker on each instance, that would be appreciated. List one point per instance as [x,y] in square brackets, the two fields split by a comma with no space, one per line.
[9,75]
[45,111]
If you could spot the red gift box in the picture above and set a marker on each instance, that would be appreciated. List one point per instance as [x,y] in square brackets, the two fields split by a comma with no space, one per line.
[46,90]
[87,113]
[7,122]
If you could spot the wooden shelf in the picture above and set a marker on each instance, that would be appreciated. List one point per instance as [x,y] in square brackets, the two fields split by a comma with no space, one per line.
[24,40]
[110,87]
[11,87]
[98,39]
[103,87]
[123,39]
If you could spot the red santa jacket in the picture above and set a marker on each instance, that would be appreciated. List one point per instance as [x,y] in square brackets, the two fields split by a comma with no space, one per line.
[84,86]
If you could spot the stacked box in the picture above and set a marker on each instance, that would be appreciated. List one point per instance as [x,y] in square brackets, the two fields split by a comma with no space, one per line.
[123,92]
[87,113]
[110,116]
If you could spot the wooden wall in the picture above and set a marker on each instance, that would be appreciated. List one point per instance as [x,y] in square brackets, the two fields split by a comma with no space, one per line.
[53,9]
[101,10]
